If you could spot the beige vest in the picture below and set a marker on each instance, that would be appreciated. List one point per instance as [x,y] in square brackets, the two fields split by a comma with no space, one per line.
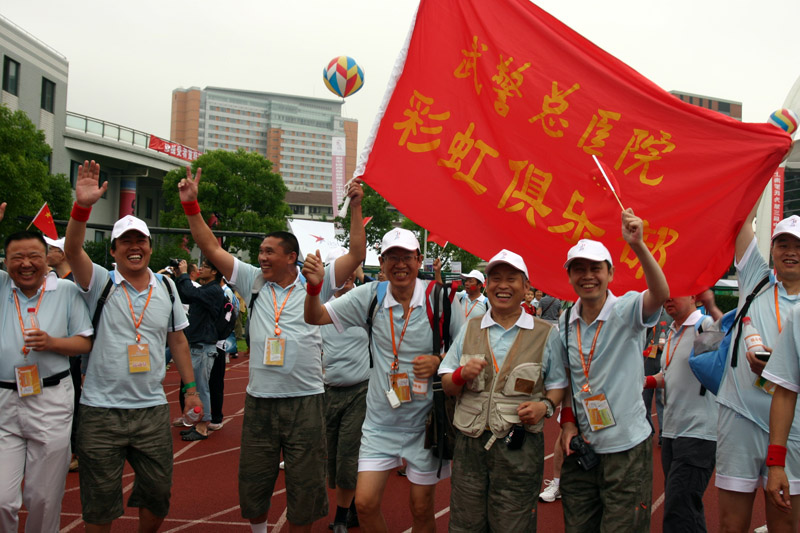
[490,400]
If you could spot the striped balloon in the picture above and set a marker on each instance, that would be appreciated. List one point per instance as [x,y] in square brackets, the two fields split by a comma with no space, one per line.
[785,119]
[343,76]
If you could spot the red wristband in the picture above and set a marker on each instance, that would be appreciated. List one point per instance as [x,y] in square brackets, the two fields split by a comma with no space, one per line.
[314,290]
[80,213]
[456,377]
[650,382]
[567,416]
[191,208]
[776,455]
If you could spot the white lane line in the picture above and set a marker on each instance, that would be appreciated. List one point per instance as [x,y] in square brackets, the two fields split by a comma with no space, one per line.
[202,520]
[281,521]
[437,515]
[657,504]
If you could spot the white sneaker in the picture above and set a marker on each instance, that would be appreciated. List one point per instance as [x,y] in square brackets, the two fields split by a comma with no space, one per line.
[282,465]
[551,493]
[762,529]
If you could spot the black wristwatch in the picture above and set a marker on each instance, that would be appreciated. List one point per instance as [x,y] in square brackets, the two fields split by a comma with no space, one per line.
[550,407]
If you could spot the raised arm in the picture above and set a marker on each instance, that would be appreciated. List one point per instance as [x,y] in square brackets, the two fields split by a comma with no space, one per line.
[347,264]
[314,271]
[87,192]
[201,233]
[657,288]
[746,234]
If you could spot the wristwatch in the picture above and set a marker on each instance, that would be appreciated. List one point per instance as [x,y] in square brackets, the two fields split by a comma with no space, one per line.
[550,407]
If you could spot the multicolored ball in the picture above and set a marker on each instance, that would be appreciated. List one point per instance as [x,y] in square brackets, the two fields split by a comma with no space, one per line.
[785,119]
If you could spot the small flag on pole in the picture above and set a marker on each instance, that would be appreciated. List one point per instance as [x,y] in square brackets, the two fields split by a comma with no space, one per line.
[441,241]
[44,221]
[366,221]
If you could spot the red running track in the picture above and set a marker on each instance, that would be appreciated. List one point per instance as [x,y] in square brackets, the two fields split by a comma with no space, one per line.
[204,492]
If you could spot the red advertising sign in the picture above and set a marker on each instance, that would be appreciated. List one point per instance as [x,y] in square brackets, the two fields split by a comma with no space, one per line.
[488,135]
[174,149]
[777,197]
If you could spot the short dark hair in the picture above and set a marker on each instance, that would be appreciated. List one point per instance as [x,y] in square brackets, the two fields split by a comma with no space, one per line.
[218,276]
[24,236]
[191,267]
[288,241]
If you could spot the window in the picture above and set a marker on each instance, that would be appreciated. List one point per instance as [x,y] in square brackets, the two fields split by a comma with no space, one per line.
[148,208]
[73,172]
[99,236]
[724,107]
[48,95]
[11,76]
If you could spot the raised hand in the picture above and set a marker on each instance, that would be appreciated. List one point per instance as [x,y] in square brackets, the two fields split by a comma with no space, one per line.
[632,227]
[355,192]
[314,269]
[187,187]
[87,186]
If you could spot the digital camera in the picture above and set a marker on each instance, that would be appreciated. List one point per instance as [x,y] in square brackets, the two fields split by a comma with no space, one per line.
[586,456]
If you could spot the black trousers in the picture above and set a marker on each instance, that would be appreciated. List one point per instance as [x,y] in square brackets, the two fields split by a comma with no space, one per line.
[216,386]
[688,464]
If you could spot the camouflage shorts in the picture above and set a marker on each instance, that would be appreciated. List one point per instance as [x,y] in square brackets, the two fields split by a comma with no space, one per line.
[345,409]
[614,496]
[495,490]
[296,427]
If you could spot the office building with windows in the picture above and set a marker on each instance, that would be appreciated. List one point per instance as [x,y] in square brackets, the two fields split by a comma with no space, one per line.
[299,134]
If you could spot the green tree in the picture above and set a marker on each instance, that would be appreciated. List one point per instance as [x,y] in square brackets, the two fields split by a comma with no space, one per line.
[384,218]
[99,252]
[26,180]
[448,254]
[240,189]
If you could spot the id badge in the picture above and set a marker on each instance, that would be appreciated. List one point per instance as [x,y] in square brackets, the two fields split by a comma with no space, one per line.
[29,382]
[652,351]
[400,385]
[274,351]
[598,411]
[420,389]
[138,358]
[764,385]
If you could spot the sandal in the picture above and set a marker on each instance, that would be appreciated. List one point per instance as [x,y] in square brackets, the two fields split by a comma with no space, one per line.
[193,435]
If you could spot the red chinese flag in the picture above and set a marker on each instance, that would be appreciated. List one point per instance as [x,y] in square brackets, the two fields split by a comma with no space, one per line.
[44,221]
[366,221]
[499,107]
[441,241]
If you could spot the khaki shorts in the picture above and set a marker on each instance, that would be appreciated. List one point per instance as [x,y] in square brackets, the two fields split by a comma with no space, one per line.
[296,427]
[106,437]
[345,409]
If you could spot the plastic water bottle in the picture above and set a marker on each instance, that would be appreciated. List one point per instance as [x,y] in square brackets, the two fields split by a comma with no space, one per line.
[752,338]
[192,416]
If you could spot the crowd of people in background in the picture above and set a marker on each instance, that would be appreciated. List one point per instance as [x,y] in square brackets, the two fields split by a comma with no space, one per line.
[344,372]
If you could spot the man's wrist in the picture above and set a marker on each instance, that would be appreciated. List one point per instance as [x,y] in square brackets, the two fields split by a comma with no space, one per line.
[80,213]
[191,208]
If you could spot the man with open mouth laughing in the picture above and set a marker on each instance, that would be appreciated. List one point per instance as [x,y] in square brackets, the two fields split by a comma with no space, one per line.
[124,410]
[605,337]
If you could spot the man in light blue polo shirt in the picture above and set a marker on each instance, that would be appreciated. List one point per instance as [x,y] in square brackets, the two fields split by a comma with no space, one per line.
[472,299]
[689,426]
[508,367]
[283,410]
[124,411]
[606,337]
[744,398]
[399,396]
[36,396]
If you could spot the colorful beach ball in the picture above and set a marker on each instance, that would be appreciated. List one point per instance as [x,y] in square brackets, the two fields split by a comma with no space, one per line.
[343,76]
[785,119]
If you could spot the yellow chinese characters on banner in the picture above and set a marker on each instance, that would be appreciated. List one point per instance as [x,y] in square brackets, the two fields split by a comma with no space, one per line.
[419,109]
[469,65]
[577,225]
[600,130]
[657,241]
[554,104]
[645,148]
[530,193]
[508,82]
[460,148]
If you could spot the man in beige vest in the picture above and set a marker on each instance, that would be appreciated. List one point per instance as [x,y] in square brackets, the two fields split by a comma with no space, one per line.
[507,370]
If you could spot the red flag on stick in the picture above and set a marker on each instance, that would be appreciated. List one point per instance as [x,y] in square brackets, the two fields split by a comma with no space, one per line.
[44,221]
[441,241]
[366,221]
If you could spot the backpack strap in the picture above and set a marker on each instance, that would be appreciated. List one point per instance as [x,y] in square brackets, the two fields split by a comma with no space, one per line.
[698,327]
[433,316]
[740,315]
[258,284]
[171,299]
[101,302]
[380,293]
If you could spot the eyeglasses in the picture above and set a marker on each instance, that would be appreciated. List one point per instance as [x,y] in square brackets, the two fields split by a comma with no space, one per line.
[399,258]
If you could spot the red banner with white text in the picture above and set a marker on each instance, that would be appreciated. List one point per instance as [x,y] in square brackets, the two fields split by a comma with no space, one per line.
[488,137]
[174,149]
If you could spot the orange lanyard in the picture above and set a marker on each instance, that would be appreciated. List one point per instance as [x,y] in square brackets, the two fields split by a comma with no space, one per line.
[653,338]
[137,323]
[586,364]
[494,360]
[395,363]
[669,340]
[777,309]
[467,312]
[25,349]
[279,311]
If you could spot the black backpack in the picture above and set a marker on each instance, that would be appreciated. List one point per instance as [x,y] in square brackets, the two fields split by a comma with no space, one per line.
[226,319]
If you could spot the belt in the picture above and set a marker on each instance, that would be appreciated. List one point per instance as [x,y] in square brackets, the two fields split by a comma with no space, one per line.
[46,382]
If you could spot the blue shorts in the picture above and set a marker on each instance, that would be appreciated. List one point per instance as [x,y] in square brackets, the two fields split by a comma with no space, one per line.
[384,449]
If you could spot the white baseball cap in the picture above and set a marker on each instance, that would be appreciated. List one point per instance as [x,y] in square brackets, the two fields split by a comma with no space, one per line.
[58,243]
[334,254]
[790,226]
[129,223]
[399,238]
[475,274]
[589,249]
[508,257]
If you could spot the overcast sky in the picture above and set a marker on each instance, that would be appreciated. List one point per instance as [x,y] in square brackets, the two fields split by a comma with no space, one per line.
[125,58]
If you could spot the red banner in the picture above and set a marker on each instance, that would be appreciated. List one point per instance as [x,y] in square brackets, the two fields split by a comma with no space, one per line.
[488,136]
[174,149]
